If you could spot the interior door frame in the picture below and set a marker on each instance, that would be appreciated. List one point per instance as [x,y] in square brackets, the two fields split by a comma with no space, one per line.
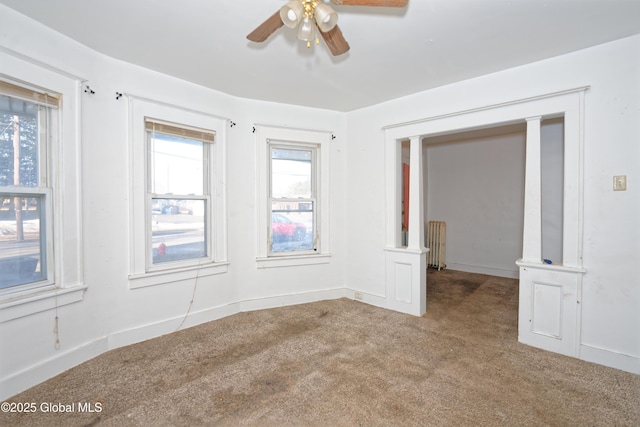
[546,291]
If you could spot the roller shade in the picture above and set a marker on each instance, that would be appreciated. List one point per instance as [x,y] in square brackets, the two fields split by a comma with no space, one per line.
[179,131]
[42,98]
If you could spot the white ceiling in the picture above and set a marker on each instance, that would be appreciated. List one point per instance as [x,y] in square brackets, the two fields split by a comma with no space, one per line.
[394,52]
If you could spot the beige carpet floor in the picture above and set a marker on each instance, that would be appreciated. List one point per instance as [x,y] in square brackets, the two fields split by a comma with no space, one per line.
[345,363]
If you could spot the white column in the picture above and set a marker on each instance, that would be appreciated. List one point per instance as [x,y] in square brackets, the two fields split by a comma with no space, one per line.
[393,193]
[532,237]
[416,206]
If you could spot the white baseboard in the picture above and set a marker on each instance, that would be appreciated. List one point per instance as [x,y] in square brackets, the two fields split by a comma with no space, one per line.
[371,299]
[37,373]
[291,299]
[166,326]
[20,381]
[499,272]
[624,362]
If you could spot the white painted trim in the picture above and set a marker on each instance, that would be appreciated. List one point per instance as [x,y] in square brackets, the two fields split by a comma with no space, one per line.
[35,374]
[142,273]
[489,107]
[137,281]
[532,225]
[291,128]
[601,356]
[291,299]
[64,160]
[42,371]
[34,302]
[292,261]
[405,250]
[550,267]
[415,238]
[491,271]
[41,64]
[367,298]
[174,106]
[305,137]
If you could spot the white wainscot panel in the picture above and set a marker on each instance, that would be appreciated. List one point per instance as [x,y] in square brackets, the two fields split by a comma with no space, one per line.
[406,285]
[402,282]
[549,308]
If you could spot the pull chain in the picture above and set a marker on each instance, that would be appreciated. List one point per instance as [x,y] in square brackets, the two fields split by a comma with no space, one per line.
[55,331]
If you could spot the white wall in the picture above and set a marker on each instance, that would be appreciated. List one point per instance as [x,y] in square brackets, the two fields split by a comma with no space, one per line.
[111,314]
[475,182]
[610,328]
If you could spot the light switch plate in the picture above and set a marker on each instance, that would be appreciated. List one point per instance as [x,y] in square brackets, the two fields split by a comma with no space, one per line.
[620,183]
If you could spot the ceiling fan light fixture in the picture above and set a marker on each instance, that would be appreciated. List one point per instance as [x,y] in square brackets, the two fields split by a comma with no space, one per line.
[291,13]
[326,17]
[306,31]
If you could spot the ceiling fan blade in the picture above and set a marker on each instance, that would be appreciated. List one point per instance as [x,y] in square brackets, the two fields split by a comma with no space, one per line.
[385,3]
[267,28]
[335,40]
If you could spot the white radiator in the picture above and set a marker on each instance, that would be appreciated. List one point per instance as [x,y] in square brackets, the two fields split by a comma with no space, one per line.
[436,242]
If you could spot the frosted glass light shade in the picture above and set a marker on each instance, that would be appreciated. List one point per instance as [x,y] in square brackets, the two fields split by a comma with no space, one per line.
[326,17]
[305,30]
[291,13]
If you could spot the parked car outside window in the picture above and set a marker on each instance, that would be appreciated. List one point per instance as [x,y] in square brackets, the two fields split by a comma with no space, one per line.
[285,229]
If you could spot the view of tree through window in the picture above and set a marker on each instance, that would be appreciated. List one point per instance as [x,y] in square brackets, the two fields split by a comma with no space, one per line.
[22,254]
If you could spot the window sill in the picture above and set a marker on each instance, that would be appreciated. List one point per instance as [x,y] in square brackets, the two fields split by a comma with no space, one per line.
[176,275]
[291,261]
[16,306]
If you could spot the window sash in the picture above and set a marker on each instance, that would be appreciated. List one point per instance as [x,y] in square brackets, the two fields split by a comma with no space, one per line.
[19,258]
[42,271]
[275,238]
[183,251]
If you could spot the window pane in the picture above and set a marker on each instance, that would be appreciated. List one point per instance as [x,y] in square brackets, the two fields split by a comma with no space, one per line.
[18,142]
[176,165]
[21,241]
[292,226]
[177,230]
[291,173]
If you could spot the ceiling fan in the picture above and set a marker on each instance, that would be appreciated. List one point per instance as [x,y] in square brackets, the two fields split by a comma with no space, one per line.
[309,14]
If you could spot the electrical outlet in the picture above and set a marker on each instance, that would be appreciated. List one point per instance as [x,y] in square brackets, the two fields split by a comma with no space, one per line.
[620,183]
[358,295]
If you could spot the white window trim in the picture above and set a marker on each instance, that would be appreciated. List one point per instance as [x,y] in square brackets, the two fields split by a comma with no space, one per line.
[65,285]
[315,176]
[142,274]
[305,138]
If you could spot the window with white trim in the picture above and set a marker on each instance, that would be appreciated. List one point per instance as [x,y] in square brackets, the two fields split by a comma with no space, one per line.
[292,196]
[28,123]
[49,185]
[178,198]
[177,171]
[293,202]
